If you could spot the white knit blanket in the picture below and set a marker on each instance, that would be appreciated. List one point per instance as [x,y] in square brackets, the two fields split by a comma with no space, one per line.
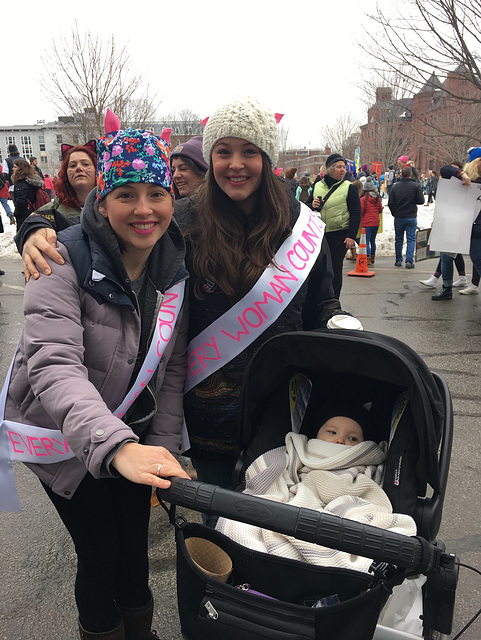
[324,476]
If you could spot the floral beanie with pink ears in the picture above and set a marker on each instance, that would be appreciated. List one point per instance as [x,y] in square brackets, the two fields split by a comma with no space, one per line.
[131,155]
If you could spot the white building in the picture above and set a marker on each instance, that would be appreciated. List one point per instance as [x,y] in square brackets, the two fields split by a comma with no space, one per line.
[41,140]
[44,139]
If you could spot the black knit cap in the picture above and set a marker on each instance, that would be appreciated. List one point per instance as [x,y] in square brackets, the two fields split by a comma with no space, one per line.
[356,412]
[333,158]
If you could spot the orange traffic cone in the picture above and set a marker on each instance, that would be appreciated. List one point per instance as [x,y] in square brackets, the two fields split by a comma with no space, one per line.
[361,264]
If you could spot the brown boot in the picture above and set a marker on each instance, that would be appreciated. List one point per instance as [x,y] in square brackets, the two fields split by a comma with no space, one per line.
[138,622]
[372,259]
[115,634]
[353,255]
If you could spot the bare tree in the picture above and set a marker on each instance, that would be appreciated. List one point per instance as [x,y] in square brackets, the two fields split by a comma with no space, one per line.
[85,75]
[184,115]
[388,132]
[399,82]
[465,125]
[283,133]
[184,122]
[427,36]
[427,40]
[341,136]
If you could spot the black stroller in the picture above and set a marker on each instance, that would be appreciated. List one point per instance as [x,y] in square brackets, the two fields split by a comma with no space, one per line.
[392,380]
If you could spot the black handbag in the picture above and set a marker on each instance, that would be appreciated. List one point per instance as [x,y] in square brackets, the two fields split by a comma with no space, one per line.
[211,609]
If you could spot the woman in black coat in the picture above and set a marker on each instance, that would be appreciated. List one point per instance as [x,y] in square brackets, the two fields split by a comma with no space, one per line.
[26,181]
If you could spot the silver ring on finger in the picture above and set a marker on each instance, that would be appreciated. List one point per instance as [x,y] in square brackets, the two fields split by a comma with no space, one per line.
[158,470]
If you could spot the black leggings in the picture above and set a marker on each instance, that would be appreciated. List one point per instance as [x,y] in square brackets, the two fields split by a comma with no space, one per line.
[335,240]
[108,520]
[458,261]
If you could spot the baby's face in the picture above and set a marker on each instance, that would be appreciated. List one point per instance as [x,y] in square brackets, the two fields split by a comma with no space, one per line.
[341,430]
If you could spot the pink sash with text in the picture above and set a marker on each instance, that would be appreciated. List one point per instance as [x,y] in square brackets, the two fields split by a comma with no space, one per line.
[37,445]
[236,329]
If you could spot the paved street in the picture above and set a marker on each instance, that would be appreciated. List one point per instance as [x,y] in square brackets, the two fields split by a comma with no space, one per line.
[37,562]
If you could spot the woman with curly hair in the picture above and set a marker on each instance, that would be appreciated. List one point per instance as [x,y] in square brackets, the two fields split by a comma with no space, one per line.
[26,182]
[76,178]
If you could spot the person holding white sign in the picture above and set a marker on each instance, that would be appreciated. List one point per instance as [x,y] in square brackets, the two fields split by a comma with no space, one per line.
[94,403]
[471,172]
[259,267]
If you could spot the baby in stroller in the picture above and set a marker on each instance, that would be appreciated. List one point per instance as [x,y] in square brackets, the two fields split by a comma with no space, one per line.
[338,470]
[346,427]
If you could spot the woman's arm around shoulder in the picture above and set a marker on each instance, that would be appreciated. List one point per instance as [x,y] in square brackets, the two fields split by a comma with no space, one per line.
[448,171]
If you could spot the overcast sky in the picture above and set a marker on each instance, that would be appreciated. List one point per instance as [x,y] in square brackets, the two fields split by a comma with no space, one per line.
[299,58]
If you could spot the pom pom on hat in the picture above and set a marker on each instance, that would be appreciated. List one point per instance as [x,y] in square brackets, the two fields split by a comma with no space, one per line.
[191,149]
[132,155]
[368,184]
[244,118]
[474,152]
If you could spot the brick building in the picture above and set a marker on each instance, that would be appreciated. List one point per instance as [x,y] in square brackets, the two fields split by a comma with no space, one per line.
[420,126]
[388,132]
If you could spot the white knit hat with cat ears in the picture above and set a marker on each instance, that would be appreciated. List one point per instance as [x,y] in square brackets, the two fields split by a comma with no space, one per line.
[243,118]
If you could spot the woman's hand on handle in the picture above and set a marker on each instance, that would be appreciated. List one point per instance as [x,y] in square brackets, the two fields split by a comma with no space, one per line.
[39,242]
[144,464]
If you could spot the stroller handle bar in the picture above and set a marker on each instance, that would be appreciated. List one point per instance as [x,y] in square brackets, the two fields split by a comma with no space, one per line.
[413,553]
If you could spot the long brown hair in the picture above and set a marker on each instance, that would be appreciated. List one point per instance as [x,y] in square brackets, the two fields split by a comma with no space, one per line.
[193,166]
[232,249]
[63,189]
[25,170]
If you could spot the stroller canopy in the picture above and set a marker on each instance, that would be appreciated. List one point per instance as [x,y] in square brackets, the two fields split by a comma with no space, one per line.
[358,365]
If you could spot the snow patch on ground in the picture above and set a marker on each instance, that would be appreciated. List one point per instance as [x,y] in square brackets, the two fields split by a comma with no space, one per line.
[7,244]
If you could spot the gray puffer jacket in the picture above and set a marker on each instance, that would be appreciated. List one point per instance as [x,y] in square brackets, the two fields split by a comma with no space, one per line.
[82,344]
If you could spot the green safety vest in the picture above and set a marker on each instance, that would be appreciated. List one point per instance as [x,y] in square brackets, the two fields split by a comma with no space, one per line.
[334,213]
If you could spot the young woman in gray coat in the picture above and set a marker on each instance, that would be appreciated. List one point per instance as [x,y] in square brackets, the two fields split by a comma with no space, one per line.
[101,363]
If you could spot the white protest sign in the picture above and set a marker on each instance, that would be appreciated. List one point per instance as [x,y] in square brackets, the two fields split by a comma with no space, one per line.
[456,208]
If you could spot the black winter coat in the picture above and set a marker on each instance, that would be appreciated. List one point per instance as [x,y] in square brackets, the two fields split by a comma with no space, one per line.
[405,196]
[211,408]
[25,194]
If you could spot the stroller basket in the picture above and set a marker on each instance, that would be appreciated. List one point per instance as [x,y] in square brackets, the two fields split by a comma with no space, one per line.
[209,608]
